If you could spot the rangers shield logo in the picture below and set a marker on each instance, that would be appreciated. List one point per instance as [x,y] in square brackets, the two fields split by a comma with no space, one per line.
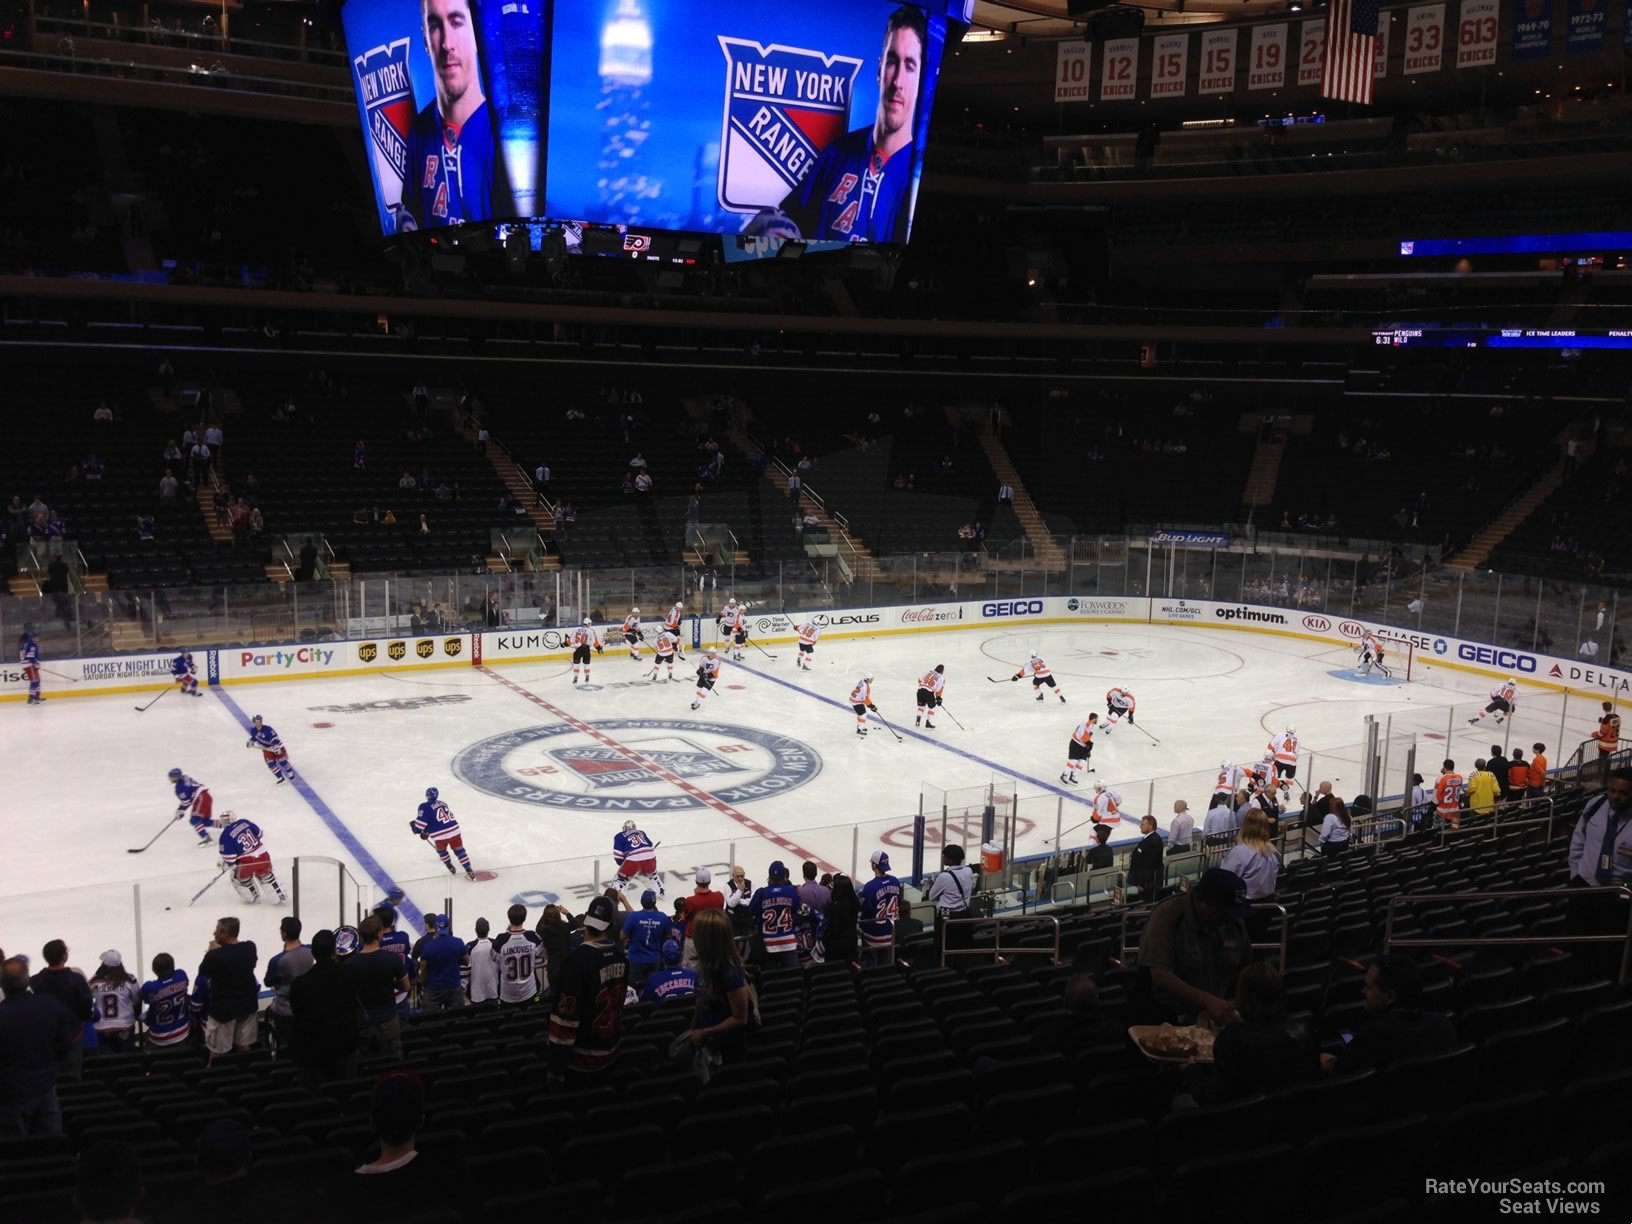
[783,106]
[387,95]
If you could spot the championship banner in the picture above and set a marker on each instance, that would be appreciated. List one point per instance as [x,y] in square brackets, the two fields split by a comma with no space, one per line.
[1119,70]
[1476,34]
[1425,39]
[1071,72]
[1169,65]
[1532,29]
[1217,62]
[1311,51]
[1380,61]
[1266,60]
[1587,21]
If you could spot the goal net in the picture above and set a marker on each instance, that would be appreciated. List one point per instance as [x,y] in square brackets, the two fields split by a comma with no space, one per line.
[1398,656]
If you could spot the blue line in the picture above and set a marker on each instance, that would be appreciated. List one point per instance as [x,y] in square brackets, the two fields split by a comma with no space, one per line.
[346,837]
[1052,787]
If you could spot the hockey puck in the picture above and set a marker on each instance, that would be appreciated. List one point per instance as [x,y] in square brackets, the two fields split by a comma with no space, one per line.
[167,907]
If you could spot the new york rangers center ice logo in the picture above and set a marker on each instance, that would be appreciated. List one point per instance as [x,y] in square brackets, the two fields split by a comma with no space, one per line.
[783,105]
[637,765]
[387,95]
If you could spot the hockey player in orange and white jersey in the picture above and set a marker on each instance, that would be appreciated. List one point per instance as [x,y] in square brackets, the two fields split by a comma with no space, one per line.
[675,621]
[733,624]
[1119,704]
[1370,651]
[808,633]
[584,637]
[931,687]
[1229,781]
[708,674]
[1107,805]
[1040,675]
[861,701]
[1504,699]
[1080,750]
[1284,749]
[665,646]
[632,636]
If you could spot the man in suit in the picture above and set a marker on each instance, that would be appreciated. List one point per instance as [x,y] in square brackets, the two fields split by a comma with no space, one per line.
[1145,863]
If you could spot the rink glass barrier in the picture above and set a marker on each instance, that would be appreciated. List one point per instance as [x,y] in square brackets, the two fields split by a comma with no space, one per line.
[1372,581]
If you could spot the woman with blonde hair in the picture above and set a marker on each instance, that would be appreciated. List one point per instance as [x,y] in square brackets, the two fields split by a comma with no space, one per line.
[724,1000]
[1253,857]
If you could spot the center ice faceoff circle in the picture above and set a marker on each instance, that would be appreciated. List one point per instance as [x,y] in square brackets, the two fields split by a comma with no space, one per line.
[633,764]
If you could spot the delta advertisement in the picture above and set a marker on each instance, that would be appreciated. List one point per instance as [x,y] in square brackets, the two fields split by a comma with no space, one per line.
[789,123]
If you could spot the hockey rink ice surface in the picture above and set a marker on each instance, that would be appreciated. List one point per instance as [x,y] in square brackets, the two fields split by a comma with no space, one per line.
[541,776]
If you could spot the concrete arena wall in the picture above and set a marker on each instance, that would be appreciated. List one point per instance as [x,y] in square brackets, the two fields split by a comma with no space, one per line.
[300,661]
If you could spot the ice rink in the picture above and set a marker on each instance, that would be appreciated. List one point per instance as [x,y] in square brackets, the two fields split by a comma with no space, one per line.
[541,775]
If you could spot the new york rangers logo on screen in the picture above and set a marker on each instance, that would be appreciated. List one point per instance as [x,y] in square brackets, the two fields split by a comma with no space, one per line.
[783,105]
[387,95]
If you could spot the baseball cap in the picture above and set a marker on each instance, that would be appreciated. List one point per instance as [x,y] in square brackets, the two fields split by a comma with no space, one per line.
[649,897]
[671,952]
[880,859]
[778,870]
[1221,888]
[110,958]
[599,914]
[704,876]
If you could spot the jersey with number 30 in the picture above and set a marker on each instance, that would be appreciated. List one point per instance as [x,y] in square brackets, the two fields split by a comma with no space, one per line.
[521,958]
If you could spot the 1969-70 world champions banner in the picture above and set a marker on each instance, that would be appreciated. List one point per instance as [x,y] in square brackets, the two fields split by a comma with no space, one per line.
[731,117]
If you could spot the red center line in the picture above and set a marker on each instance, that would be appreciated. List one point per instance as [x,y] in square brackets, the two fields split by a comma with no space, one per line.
[668,775]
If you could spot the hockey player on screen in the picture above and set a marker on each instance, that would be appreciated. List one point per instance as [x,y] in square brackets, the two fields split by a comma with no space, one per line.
[1040,675]
[186,673]
[272,750]
[1504,699]
[636,856]
[584,638]
[860,189]
[931,689]
[244,853]
[194,803]
[28,654]
[454,172]
[708,675]
[435,824]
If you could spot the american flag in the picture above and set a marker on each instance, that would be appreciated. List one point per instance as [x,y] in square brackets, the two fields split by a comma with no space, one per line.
[1351,44]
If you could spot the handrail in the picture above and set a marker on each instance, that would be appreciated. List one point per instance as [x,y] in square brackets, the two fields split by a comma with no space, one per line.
[998,949]
[195,40]
[1470,821]
[1515,941]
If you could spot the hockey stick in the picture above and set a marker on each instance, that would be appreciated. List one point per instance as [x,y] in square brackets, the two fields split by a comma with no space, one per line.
[1072,829]
[156,836]
[60,675]
[762,650]
[213,881]
[152,703]
[1000,679]
[952,716]
[1140,729]
[887,726]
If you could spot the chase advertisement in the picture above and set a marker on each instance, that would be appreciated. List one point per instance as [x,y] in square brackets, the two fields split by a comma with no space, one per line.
[804,124]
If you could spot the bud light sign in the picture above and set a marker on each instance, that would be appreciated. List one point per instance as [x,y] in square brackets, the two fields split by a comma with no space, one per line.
[1492,656]
[1013,607]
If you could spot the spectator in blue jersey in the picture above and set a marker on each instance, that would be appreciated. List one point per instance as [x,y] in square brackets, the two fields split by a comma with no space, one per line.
[453,167]
[281,972]
[773,913]
[644,933]
[323,1006]
[393,940]
[168,1018]
[724,1004]
[36,1034]
[671,981]
[441,956]
[860,189]
[880,907]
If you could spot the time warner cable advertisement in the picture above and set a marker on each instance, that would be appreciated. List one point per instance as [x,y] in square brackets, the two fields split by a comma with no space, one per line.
[728,117]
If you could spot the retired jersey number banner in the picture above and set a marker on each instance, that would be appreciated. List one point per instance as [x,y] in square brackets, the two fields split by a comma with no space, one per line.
[452,96]
[796,121]
[1071,71]
[1476,34]
[718,116]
